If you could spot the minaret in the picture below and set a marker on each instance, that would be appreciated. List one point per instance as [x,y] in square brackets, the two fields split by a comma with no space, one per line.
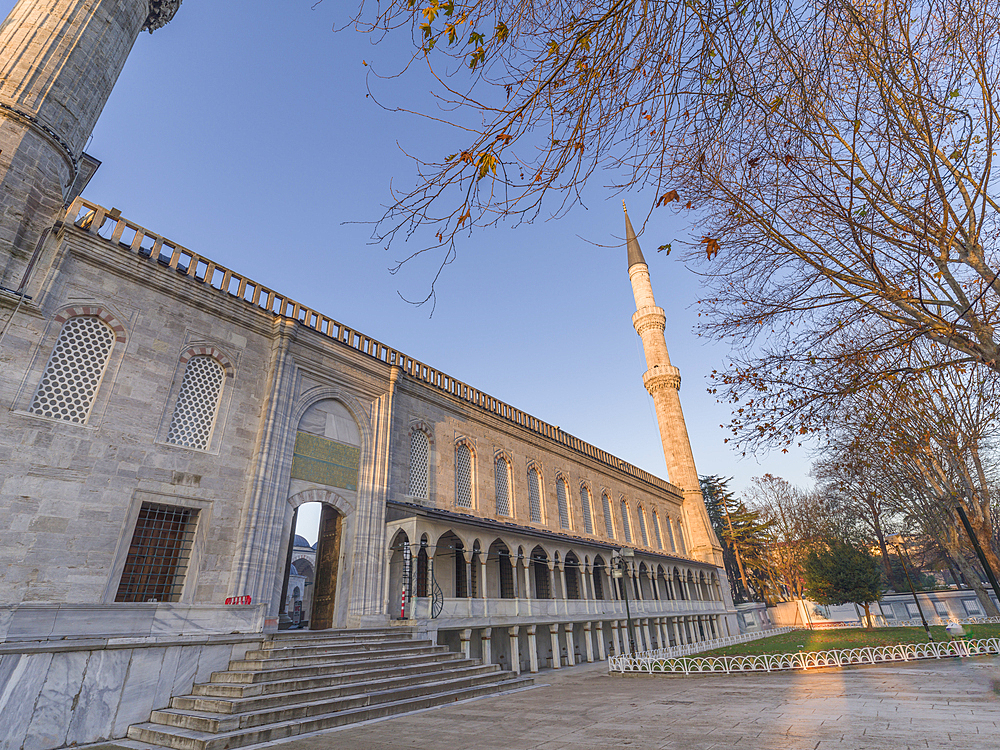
[59,60]
[663,382]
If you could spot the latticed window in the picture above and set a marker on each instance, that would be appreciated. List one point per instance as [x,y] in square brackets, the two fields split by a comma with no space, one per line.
[642,526]
[419,453]
[563,501]
[463,476]
[656,530]
[588,519]
[74,370]
[197,403]
[625,525]
[609,522]
[159,554]
[534,496]
[502,471]
[670,534]
[680,538]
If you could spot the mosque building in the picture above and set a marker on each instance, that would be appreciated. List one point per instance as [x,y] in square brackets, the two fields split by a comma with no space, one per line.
[164,418]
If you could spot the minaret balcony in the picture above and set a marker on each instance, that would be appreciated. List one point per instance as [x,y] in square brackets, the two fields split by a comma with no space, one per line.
[649,317]
[659,377]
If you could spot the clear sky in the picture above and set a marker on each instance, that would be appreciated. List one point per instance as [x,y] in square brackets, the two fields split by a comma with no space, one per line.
[242,130]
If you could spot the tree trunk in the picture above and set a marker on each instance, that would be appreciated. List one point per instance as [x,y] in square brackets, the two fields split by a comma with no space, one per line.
[868,615]
[973,578]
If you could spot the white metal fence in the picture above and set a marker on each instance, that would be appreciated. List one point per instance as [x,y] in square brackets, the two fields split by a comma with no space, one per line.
[803,659]
[696,648]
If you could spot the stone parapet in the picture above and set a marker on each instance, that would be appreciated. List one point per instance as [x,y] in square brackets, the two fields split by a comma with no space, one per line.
[649,318]
[660,377]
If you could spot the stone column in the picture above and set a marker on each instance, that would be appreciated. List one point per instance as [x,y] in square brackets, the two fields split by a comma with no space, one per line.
[677,632]
[588,637]
[587,584]
[554,643]
[562,580]
[570,645]
[616,638]
[482,575]
[645,634]
[468,573]
[515,650]
[527,578]
[513,576]
[636,584]
[486,640]
[552,579]
[532,650]
[601,654]
[654,584]
[464,636]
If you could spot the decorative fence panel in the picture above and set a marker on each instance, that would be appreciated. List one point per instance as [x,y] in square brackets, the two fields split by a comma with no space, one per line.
[803,659]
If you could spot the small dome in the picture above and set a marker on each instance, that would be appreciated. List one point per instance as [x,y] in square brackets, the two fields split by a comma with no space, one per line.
[300,541]
[292,570]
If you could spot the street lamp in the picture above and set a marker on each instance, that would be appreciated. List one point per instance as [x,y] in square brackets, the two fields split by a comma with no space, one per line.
[620,561]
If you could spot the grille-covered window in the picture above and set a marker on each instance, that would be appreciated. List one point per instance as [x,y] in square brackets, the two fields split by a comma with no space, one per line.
[74,370]
[588,519]
[563,501]
[609,521]
[197,403]
[642,525]
[419,453]
[534,496]
[502,470]
[463,476]
[656,530]
[681,544]
[159,554]
[670,534]
[625,525]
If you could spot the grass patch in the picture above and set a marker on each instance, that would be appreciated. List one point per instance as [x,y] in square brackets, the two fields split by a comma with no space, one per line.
[825,640]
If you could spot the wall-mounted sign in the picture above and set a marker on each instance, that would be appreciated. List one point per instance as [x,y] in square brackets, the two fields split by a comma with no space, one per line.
[238,600]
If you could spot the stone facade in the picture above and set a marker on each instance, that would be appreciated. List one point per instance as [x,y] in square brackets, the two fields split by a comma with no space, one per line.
[165,417]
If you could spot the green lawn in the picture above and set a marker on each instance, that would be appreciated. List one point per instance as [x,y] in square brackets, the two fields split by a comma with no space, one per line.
[822,640]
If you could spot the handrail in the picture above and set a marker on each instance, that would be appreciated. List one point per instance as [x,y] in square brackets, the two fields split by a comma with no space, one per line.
[109,225]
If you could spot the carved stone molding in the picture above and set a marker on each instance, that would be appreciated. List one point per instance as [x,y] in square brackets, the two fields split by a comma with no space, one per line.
[160,13]
[662,377]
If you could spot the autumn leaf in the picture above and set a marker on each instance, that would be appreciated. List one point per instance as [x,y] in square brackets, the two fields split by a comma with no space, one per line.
[711,246]
[666,198]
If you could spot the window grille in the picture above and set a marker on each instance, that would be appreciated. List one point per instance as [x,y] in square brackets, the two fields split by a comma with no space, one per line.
[463,476]
[588,520]
[625,526]
[159,554]
[680,538]
[563,503]
[461,569]
[656,530]
[502,471]
[543,590]
[534,496]
[506,573]
[670,534]
[197,403]
[642,526]
[419,454]
[609,522]
[73,374]
[972,607]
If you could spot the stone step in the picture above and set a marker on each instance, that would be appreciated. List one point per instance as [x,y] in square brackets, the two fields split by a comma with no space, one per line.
[279,662]
[182,738]
[341,635]
[216,722]
[245,704]
[246,690]
[324,668]
[286,652]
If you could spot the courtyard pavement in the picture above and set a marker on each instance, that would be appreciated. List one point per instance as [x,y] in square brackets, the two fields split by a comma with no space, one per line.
[949,703]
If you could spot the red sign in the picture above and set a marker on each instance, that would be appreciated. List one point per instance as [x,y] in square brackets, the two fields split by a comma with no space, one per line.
[238,600]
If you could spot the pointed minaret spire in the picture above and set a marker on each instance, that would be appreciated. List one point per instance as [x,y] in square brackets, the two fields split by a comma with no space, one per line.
[663,382]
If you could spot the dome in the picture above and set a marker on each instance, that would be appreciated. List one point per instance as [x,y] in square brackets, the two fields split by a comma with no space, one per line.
[292,571]
[300,541]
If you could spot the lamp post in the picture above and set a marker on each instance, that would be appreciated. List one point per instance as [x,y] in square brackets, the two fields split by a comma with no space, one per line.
[621,562]
[902,560]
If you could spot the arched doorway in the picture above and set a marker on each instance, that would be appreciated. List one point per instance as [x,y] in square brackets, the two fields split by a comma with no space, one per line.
[327,568]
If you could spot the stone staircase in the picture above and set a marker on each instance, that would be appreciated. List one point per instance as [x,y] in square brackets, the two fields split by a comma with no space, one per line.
[304,682]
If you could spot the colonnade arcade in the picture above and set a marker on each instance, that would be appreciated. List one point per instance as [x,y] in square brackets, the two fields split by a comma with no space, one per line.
[543,596]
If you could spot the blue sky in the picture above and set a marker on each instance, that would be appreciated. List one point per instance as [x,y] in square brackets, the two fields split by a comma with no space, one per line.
[242,130]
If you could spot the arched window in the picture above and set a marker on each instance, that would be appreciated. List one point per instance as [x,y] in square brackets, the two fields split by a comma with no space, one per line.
[502,470]
[656,530]
[588,518]
[609,521]
[670,534]
[534,496]
[197,403]
[463,476]
[74,371]
[642,525]
[562,491]
[625,524]
[681,542]
[419,454]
